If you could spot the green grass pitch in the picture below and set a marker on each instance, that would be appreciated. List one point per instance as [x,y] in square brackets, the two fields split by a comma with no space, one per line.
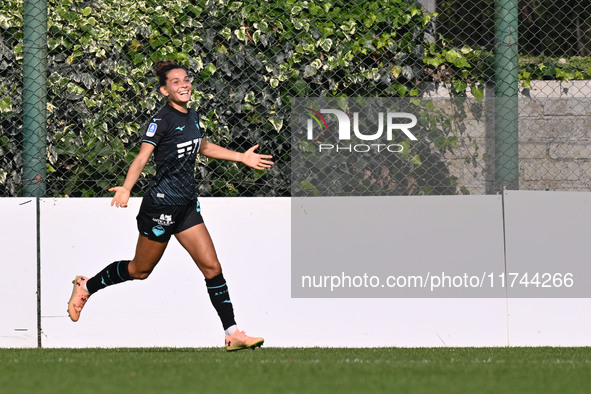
[296,370]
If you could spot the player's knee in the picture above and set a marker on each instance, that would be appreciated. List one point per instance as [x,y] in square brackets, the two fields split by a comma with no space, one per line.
[211,271]
[136,273]
[140,275]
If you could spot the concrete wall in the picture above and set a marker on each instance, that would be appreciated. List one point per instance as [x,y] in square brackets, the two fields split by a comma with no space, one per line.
[428,4]
[554,138]
[253,240]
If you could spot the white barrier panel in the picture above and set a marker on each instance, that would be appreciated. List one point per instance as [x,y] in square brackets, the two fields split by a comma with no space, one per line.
[548,233]
[171,307]
[432,229]
[252,238]
[397,247]
[18,281]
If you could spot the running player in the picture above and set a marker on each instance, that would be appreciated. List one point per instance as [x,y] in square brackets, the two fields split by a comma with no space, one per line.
[170,207]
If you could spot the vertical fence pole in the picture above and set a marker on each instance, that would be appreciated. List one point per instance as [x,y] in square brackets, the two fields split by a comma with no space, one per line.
[506,93]
[34,97]
[35,116]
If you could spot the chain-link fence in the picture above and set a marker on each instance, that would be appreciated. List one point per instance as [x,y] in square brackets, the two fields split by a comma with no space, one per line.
[458,72]
[546,27]
[554,67]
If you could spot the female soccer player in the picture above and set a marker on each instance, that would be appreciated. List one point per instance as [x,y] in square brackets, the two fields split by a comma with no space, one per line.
[170,207]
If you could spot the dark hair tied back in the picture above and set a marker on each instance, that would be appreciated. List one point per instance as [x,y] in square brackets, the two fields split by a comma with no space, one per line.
[162,67]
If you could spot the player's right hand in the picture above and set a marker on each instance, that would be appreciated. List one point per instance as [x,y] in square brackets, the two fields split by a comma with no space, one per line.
[121,197]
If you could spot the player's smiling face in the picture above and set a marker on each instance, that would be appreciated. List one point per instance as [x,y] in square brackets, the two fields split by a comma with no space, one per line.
[177,89]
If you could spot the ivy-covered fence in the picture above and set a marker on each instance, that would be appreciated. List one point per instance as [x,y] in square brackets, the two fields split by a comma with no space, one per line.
[248,60]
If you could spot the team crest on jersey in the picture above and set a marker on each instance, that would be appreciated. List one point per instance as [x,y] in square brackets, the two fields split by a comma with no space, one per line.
[151,130]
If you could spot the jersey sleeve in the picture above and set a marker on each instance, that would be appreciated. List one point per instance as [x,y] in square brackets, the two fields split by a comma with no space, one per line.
[155,131]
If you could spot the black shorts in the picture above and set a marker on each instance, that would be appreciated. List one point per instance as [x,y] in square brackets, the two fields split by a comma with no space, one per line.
[160,222]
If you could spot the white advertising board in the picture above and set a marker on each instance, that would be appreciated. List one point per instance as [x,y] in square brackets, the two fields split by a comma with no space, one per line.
[18,281]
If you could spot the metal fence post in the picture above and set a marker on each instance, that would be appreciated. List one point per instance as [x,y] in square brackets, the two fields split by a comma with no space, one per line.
[34,97]
[506,90]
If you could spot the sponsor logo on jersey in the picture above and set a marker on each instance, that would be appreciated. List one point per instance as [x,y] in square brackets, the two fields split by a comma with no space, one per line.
[151,130]
[188,147]
[164,220]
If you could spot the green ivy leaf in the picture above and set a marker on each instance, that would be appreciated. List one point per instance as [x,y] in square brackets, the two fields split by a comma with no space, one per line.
[5,105]
[276,122]
[241,34]
[207,72]
[325,44]
[477,92]
[458,85]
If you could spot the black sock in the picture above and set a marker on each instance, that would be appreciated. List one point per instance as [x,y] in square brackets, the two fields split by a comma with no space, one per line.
[114,273]
[220,299]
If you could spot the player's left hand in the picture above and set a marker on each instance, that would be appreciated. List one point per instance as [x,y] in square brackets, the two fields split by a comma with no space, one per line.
[256,160]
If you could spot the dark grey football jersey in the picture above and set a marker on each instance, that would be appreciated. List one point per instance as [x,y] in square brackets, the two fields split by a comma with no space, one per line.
[177,138]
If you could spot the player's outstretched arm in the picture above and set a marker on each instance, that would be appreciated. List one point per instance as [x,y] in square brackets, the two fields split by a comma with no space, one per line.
[249,158]
[122,193]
